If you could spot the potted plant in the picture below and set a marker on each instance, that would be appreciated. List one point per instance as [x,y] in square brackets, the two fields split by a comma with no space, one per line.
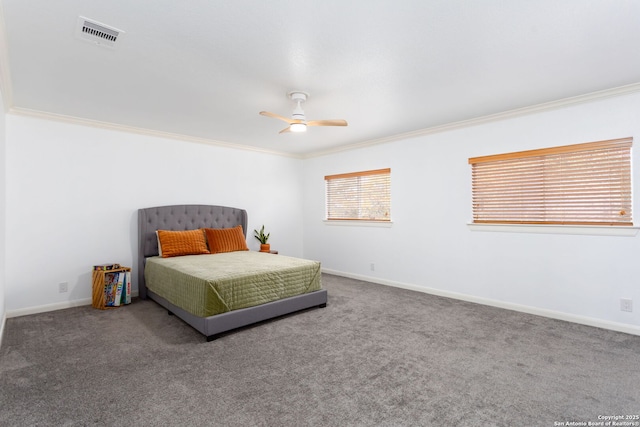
[263,238]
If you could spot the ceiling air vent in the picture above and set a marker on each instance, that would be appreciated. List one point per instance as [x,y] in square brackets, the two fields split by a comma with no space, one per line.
[97,33]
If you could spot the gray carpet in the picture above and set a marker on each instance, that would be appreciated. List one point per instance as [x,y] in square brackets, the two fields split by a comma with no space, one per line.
[375,356]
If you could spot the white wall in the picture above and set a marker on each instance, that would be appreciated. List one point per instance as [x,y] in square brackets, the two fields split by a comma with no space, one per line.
[73,194]
[2,213]
[430,246]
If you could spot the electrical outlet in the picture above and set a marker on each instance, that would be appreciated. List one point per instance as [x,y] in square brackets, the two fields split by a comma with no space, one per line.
[372,266]
[63,287]
[626,304]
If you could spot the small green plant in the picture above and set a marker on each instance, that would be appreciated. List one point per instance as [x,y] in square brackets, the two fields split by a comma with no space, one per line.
[263,238]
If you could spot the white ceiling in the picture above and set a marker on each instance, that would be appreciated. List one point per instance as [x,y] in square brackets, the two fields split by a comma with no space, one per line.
[205,68]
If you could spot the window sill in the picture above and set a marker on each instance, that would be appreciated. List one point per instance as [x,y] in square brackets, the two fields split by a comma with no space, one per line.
[359,223]
[590,230]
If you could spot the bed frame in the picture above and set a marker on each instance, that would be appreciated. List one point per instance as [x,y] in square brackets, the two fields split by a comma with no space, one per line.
[189,217]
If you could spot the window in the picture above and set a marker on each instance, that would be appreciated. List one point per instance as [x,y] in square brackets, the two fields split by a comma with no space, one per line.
[582,184]
[364,196]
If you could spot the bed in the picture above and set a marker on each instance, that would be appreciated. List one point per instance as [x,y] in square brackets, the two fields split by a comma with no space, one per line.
[208,322]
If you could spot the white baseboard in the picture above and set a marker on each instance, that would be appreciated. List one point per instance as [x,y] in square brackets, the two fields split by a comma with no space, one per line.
[583,320]
[3,322]
[53,307]
[48,307]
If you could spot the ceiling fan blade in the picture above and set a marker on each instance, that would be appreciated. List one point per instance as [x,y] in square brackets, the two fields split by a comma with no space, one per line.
[277,116]
[287,129]
[336,122]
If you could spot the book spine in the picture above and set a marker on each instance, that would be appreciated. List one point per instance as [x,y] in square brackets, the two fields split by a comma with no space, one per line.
[118,293]
[126,289]
[110,283]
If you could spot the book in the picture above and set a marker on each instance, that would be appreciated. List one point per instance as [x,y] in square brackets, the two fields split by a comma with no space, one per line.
[126,289]
[110,288]
[118,292]
[106,267]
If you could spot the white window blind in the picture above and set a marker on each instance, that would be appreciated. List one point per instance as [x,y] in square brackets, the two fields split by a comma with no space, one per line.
[582,184]
[364,196]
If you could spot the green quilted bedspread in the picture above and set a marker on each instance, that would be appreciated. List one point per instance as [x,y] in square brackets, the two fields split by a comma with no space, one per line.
[205,285]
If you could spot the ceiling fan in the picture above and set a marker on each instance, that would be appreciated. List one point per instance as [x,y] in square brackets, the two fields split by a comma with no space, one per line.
[298,122]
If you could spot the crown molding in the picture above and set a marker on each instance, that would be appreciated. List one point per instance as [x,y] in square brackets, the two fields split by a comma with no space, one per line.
[533,109]
[5,75]
[141,131]
[547,106]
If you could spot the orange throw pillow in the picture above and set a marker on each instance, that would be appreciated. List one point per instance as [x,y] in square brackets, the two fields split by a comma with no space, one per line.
[226,239]
[178,243]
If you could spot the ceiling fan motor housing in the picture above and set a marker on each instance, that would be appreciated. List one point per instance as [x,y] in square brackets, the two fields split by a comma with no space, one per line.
[298,114]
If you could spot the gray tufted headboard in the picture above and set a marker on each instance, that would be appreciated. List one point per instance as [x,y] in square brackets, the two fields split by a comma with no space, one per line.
[180,217]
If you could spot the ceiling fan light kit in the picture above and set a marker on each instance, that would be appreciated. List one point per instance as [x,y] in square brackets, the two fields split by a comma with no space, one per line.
[298,127]
[298,121]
